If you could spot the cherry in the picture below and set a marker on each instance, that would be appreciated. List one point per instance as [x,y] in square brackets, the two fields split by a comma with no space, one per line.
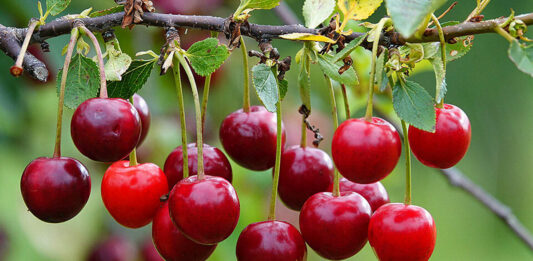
[206,211]
[172,244]
[250,138]
[55,189]
[132,194]
[448,144]
[105,129]
[215,163]
[4,244]
[374,193]
[303,173]
[148,251]
[114,248]
[144,113]
[366,152]
[335,227]
[402,232]
[271,241]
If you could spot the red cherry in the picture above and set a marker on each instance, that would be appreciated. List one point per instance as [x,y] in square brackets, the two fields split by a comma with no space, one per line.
[55,189]
[206,211]
[335,227]
[374,193]
[148,251]
[105,129]
[132,194]
[304,172]
[271,241]
[172,244]
[4,244]
[250,138]
[366,152]
[144,113]
[447,146]
[215,163]
[402,232]
[114,248]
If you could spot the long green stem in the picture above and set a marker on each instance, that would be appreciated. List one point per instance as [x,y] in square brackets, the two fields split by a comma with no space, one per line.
[70,49]
[303,138]
[443,57]
[375,45]
[407,165]
[333,104]
[346,103]
[504,34]
[199,140]
[246,94]
[275,180]
[99,56]
[205,97]
[133,154]
[181,104]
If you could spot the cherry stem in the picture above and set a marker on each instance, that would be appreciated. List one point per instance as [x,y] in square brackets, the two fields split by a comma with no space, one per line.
[407,164]
[333,104]
[479,8]
[275,180]
[25,44]
[246,93]
[375,45]
[133,154]
[70,49]
[199,141]
[303,141]
[205,97]
[103,84]
[504,33]
[440,102]
[179,91]
[346,104]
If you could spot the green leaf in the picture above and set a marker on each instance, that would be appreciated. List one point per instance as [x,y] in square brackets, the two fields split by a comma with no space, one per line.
[266,86]
[132,80]
[440,77]
[307,37]
[407,16]
[380,70]
[283,88]
[206,56]
[83,81]
[459,49]
[117,62]
[349,48]
[248,5]
[112,10]
[522,57]
[316,11]
[331,69]
[56,6]
[358,9]
[414,105]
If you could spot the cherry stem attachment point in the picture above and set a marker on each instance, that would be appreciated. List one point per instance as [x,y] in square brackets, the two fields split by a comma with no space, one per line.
[179,91]
[407,164]
[16,70]
[333,104]
[246,93]
[103,84]
[277,165]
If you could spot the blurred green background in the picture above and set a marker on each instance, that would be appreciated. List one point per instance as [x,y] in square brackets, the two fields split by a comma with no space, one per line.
[485,84]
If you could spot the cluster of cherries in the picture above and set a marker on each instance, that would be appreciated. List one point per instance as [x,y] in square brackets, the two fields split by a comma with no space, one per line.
[203,209]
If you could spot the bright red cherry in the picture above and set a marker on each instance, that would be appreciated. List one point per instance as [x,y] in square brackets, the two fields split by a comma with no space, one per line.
[172,244]
[206,211]
[132,194]
[402,232]
[149,252]
[271,241]
[366,152]
[335,227]
[114,248]
[250,138]
[448,144]
[374,193]
[105,129]
[304,172]
[55,189]
[144,113]
[215,163]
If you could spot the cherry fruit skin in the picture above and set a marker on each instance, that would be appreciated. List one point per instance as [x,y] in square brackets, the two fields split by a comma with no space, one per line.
[132,194]
[172,244]
[448,144]
[55,189]
[105,129]
[271,241]
[366,152]
[402,232]
[215,163]
[335,227]
[303,173]
[144,114]
[375,193]
[206,211]
[250,138]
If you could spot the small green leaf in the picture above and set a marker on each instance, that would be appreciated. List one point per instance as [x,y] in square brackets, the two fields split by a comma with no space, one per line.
[283,88]
[522,57]
[117,62]
[459,49]
[83,81]
[316,11]
[331,69]
[380,70]
[266,86]
[414,105]
[440,78]
[248,5]
[132,80]
[112,10]
[407,16]
[349,48]
[56,6]
[206,56]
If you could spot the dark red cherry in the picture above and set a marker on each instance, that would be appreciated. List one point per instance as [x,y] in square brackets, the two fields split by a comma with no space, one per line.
[144,113]
[132,194]
[172,244]
[271,241]
[366,152]
[215,163]
[448,144]
[149,252]
[206,211]
[105,129]
[55,189]
[335,227]
[374,193]
[4,244]
[250,138]
[114,248]
[304,172]
[402,232]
